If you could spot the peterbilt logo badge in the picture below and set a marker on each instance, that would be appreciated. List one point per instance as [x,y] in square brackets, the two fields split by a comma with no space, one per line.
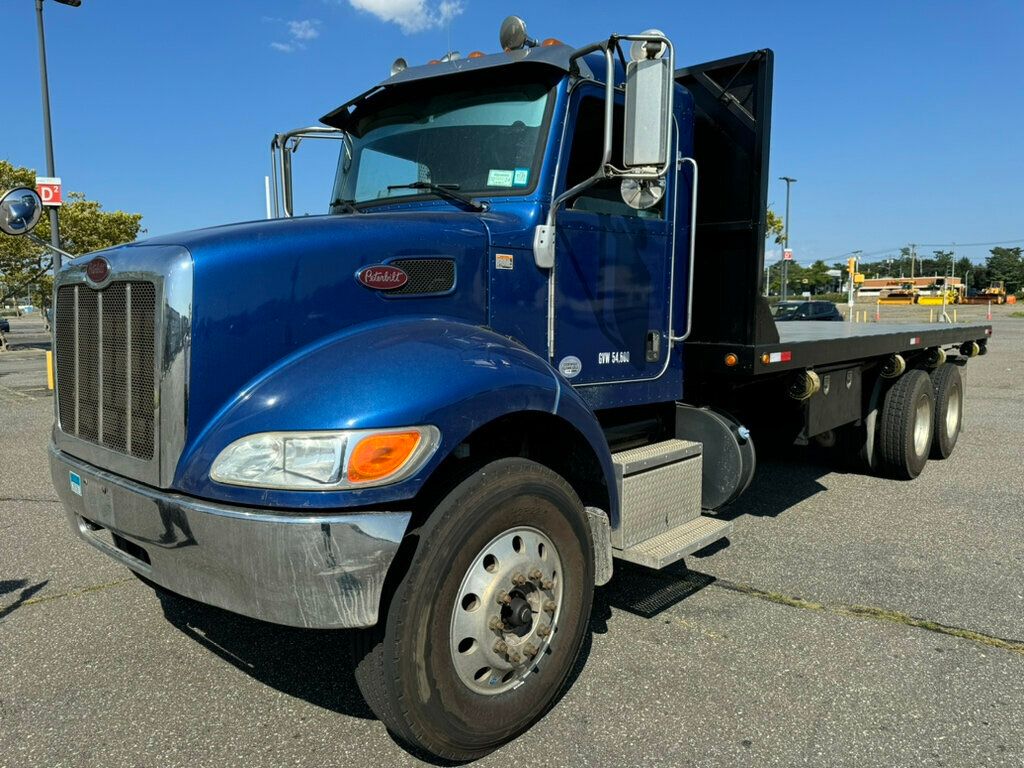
[382,277]
[97,270]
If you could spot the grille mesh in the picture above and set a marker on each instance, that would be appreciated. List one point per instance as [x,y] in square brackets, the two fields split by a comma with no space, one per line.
[105,361]
[425,276]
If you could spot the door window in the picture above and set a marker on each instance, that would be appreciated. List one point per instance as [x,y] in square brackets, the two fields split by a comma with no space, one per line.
[585,158]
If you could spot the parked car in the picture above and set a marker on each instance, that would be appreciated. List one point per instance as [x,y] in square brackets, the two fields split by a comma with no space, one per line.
[806,310]
[5,325]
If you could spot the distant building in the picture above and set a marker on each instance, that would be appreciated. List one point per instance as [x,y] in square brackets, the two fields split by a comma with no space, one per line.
[925,286]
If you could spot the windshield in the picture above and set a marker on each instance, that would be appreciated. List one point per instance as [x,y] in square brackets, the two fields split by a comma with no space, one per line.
[785,309]
[484,141]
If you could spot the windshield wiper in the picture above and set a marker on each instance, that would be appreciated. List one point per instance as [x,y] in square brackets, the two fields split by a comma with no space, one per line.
[443,190]
[348,205]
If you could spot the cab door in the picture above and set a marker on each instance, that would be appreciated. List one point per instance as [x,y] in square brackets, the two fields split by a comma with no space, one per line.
[612,265]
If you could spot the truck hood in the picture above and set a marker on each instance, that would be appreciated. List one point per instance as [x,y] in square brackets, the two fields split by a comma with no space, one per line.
[264,290]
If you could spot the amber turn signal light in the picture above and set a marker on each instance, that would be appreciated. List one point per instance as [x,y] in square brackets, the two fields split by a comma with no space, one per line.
[731,359]
[377,456]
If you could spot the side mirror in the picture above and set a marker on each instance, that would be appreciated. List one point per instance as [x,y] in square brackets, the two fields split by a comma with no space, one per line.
[648,107]
[20,209]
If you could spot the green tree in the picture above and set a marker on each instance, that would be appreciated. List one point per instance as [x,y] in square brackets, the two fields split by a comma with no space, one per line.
[943,263]
[775,227]
[84,227]
[1006,264]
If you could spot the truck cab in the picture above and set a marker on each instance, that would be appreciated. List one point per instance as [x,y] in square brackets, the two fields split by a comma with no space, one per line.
[499,360]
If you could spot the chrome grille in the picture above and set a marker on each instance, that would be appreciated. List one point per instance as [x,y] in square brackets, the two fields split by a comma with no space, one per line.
[105,363]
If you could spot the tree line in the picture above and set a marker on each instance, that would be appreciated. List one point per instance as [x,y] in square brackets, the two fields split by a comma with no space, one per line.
[1003,264]
[25,267]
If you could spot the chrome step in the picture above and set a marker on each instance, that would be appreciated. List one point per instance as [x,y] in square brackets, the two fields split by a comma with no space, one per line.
[676,543]
[659,490]
[654,455]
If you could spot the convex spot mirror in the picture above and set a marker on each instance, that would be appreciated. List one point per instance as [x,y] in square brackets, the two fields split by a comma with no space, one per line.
[512,35]
[20,210]
[642,193]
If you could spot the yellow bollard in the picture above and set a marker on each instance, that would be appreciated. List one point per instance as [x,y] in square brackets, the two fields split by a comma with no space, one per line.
[49,369]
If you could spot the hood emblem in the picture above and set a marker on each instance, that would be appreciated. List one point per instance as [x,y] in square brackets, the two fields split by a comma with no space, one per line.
[97,270]
[382,277]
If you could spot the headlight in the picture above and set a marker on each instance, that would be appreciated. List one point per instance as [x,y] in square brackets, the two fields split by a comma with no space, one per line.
[326,460]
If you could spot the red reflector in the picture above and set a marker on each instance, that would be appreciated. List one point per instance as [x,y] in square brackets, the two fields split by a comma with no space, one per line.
[786,357]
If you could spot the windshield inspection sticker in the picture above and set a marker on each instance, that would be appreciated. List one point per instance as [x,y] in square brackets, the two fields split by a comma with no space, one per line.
[499,178]
[521,177]
[503,261]
[76,484]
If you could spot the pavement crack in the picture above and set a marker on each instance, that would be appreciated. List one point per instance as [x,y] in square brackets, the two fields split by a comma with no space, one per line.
[75,592]
[39,499]
[876,614]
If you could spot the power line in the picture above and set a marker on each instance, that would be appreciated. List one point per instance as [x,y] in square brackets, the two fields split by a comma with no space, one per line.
[926,245]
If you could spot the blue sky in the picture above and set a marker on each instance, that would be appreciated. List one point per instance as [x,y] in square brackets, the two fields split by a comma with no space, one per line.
[902,121]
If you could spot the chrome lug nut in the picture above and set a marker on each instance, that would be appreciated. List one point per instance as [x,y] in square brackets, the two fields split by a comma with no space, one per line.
[515,658]
[550,606]
[496,623]
[519,579]
[500,647]
[536,575]
[547,583]
[529,650]
[503,598]
[543,631]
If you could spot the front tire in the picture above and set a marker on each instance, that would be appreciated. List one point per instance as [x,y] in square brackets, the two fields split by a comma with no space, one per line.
[484,629]
[905,432]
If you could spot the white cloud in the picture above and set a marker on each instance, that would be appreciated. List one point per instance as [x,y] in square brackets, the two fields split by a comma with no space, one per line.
[307,29]
[411,15]
[300,31]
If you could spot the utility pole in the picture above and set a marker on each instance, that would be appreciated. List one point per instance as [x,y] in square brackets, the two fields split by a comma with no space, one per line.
[785,236]
[851,266]
[47,131]
[913,255]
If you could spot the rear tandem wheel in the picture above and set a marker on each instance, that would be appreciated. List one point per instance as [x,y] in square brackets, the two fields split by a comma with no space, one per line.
[906,426]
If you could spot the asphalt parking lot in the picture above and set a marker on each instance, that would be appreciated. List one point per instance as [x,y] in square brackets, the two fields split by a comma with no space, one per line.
[849,621]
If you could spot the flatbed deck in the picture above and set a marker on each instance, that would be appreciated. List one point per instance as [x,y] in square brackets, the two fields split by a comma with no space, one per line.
[804,344]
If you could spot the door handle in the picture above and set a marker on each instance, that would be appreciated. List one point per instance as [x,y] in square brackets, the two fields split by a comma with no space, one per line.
[653,346]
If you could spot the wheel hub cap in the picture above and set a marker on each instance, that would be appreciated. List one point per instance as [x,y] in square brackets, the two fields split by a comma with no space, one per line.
[922,426]
[506,613]
[953,412]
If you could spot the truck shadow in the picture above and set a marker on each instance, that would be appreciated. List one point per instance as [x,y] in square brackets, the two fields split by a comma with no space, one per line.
[25,593]
[782,480]
[313,665]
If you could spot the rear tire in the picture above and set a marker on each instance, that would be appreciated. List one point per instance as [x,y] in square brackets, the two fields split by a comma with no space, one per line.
[905,432]
[431,670]
[948,386]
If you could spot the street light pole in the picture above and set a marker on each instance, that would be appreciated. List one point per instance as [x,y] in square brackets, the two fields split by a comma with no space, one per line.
[47,131]
[785,237]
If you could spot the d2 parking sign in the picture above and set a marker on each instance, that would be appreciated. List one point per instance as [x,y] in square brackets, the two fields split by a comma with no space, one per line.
[49,190]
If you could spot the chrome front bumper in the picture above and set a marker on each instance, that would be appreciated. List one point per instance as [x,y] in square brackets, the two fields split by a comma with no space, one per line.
[298,569]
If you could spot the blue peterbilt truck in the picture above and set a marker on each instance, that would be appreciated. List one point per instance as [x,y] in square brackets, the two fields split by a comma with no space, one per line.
[527,339]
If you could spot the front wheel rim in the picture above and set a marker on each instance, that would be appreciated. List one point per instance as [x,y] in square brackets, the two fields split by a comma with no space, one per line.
[506,612]
[922,426]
